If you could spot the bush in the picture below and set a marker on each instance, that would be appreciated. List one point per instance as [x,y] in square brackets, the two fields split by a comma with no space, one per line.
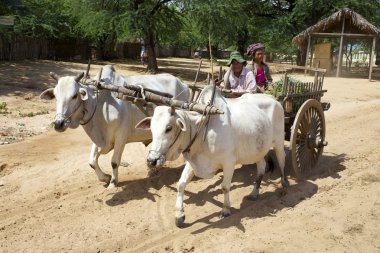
[32,114]
[278,85]
[3,108]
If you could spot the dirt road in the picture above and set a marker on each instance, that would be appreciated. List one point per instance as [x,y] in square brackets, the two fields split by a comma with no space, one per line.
[51,201]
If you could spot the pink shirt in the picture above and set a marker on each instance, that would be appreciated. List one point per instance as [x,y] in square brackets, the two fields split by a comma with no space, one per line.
[260,77]
[244,83]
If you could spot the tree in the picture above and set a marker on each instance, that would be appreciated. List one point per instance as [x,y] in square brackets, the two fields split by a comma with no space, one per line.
[153,21]
[226,22]
[97,21]
[42,18]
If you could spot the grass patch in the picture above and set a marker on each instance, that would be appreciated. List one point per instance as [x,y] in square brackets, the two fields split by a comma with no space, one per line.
[4,108]
[32,114]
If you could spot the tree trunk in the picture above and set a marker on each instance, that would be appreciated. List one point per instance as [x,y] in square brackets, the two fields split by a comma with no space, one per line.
[152,61]
[242,40]
[101,49]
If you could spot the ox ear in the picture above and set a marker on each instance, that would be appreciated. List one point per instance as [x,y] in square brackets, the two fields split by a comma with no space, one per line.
[144,124]
[47,94]
[83,93]
[181,123]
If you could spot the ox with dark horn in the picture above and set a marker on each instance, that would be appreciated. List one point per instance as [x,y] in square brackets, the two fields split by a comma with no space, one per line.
[171,110]
[79,77]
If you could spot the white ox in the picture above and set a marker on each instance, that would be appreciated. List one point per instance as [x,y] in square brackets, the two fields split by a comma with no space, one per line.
[244,134]
[107,120]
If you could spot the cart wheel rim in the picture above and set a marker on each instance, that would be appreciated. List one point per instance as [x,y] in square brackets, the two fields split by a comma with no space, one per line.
[307,138]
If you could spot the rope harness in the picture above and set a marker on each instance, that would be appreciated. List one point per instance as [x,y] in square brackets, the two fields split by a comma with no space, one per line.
[84,111]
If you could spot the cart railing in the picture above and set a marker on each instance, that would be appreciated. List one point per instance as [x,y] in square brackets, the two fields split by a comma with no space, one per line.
[294,93]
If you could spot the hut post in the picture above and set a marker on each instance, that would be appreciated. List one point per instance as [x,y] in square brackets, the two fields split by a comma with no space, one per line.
[340,49]
[316,73]
[372,56]
[307,52]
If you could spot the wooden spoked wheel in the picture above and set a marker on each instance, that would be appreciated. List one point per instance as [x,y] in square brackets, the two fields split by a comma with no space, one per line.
[307,138]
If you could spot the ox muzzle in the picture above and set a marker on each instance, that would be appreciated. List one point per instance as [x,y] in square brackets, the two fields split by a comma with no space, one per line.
[155,161]
[61,123]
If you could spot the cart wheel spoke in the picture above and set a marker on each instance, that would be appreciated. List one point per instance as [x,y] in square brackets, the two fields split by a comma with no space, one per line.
[308,127]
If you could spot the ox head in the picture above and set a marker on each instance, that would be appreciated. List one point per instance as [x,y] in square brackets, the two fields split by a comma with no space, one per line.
[69,95]
[167,127]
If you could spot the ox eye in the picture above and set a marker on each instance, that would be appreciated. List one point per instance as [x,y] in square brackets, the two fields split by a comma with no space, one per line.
[75,96]
[168,129]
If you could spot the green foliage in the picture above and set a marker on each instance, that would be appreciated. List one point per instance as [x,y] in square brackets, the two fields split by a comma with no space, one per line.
[226,22]
[42,18]
[95,20]
[180,23]
[278,86]
[32,114]
[152,21]
[3,108]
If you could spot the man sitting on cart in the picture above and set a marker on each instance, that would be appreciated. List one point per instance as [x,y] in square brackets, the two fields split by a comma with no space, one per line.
[239,79]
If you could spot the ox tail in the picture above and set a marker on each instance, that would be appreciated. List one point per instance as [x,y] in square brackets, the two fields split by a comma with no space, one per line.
[270,163]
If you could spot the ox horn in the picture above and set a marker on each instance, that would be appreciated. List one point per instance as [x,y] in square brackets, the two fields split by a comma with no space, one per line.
[171,110]
[54,76]
[79,76]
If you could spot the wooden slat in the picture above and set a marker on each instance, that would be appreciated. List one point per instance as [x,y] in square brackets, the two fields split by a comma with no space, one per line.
[303,95]
[192,93]
[284,84]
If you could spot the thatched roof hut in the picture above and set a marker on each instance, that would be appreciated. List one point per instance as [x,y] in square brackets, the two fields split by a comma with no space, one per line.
[342,24]
[354,24]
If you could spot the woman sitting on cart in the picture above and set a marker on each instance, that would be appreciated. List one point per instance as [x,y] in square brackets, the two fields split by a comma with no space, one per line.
[239,79]
[260,69]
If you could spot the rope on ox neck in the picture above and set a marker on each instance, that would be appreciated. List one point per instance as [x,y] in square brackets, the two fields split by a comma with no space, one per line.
[205,118]
[96,106]
[74,111]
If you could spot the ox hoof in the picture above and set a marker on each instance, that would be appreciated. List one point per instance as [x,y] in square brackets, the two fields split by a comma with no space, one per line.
[179,221]
[224,214]
[112,185]
[285,183]
[253,197]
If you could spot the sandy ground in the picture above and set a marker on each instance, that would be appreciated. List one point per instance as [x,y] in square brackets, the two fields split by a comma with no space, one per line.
[51,201]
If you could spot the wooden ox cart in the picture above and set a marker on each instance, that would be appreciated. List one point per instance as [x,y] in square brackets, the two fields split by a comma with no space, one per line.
[305,127]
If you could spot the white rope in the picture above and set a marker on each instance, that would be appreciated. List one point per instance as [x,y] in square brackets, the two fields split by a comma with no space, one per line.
[142,91]
[179,94]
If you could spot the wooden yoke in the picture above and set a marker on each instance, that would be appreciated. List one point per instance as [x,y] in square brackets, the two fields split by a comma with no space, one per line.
[138,94]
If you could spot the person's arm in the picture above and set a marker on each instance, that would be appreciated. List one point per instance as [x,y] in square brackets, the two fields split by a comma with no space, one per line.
[251,83]
[268,76]
[226,79]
